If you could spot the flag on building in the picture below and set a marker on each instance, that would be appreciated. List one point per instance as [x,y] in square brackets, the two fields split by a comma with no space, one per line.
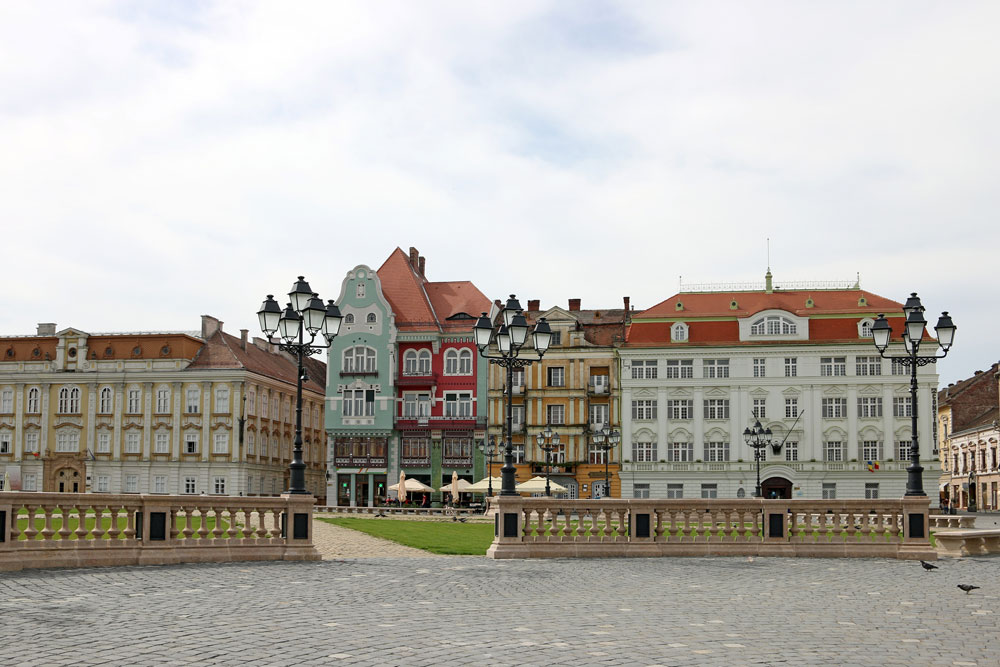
[872,466]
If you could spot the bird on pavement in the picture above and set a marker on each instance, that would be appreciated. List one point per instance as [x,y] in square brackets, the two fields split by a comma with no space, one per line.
[968,588]
[462,519]
[928,566]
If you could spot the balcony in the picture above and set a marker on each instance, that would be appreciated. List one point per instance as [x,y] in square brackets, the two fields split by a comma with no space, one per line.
[597,389]
[359,461]
[352,373]
[415,462]
[422,380]
[456,462]
[517,427]
[554,469]
[517,390]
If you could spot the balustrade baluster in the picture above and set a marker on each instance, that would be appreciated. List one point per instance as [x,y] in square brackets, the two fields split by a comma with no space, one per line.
[129,532]
[660,528]
[81,522]
[261,528]
[233,528]
[202,524]
[64,531]
[113,530]
[47,530]
[217,529]
[188,530]
[622,526]
[793,528]
[172,518]
[99,532]
[15,520]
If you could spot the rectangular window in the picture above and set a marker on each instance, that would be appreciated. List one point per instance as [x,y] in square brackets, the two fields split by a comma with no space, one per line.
[640,490]
[556,338]
[221,443]
[715,368]
[163,400]
[709,490]
[103,443]
[67,441]
[759,367]
[791,450]
[791,367]
[643,410]
[416,448]
[219,486]
[871,450]
[717,408]
[760,408]
[717,451]
[679,452]
[191,443]
[160,484]
[458,405]
[251,402]
[193,396]
[902,406]
[599,383]
[456,447]
[834,450]
[680,368]
[898,368]
[190,485]
[832,366]
[791,408]
[869,366]
[222,400]
[7,401]
[645,369]
[134,401]
[416,405]
[517,378]
[103,483]
[675,491]
[162,443]
[643,451]
[30,481]
[557,376]
[5,446]
[132,442]
[903,450]
[871,491]
[556,414]
[131,484]
[33,402]
[834,408]
[869,406]
[517,414]
[599,413]
[680,409]
[595,454]
[829,491]
[31,442]
[518,452]
[357,403]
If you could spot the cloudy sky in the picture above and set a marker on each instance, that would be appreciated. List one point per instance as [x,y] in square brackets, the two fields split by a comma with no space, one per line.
[161,160]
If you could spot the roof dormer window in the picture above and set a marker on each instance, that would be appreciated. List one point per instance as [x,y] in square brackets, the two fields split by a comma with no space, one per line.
[773,325]
[679,332]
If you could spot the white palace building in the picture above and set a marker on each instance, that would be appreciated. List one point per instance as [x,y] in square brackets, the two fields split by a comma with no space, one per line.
[702,366]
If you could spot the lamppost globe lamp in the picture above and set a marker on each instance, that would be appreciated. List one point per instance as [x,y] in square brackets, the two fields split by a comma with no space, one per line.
[304,315]
[912,338]
[759,438]
[509,336]
[547,440]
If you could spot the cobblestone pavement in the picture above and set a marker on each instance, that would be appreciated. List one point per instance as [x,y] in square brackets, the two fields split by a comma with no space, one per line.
[474,611]
[336,542]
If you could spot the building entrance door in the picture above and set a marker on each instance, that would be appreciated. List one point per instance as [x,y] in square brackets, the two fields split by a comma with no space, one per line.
[776,487]
[361,491]
[600,489]
[68,481]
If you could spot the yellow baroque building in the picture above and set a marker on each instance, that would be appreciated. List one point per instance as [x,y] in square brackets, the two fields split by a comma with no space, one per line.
[574,390]
[174,413]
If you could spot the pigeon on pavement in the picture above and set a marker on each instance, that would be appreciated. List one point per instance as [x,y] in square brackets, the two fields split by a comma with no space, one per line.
[928,566]
[968,588]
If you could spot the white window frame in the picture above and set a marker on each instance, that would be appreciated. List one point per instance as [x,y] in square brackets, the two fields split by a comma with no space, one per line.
[465,361]
[7,401]
[190,443]
[834,408]
[871,450]
[555,414]
[161,442]
[6,442]
[833,451]
[871,491]
[869,407]
[67,440]
[103,443]
[134,403]
[829,490]
[868,365]
[791,450]
[680,452]
[220,443]
[709,490]
[555,376]
[680,409]
[31,439]
[759,409]
[133,442]
[644,409]
[902,406]
[833,366]
[33,404]
[760,367]
[679,332]
[451,361]
[221,400]
[103,484]
[791,408]
[190,485]
[163,400]
[675,491]
[159,484]
[192,401]
[645,369]
[791,367]
[715,368]
[644,451]
[69,400]
[219,486]
[717,450]
[131,484]
[716,408]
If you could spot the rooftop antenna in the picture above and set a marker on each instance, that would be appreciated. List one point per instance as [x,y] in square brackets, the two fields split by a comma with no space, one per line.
[768,253]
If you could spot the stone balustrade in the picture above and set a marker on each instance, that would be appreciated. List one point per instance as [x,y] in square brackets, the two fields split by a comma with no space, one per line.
[953,521]
[39,530]
[554,528]
[388,510]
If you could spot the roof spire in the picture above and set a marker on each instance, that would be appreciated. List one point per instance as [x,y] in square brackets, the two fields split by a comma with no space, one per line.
[768,289]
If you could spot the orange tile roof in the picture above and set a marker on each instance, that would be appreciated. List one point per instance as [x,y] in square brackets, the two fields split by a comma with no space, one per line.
[224,352]
[715,304]
[452,298]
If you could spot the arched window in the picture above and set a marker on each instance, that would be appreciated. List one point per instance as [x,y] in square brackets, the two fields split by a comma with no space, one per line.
[410,362]
[349,318]
[222,400]
[451,362]
[424,362]
[865,328]
[359,359]
[371,318]
[772,325]
[107,401]
[163,400]
[679,332]
[33,401]
[465,362]
[69,400]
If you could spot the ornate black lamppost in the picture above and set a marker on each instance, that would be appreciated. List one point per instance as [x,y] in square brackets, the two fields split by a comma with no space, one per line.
[509,338]
[547,440]
[489,448]
[913,334]
[760,439]
[304,314]
[607,440]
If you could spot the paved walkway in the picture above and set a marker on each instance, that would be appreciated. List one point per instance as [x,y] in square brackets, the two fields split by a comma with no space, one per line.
[334,542]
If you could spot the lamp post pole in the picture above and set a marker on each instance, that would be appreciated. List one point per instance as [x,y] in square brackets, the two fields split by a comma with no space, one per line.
[489,448]
[509,338]
[547,440]
[305,313]
[913,336]
[760,439]
[606,440]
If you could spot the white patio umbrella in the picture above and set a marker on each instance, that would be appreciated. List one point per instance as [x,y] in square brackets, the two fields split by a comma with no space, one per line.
[483,485]
[537,485]
[411,485]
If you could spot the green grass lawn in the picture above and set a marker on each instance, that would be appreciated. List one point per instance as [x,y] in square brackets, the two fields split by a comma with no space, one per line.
[463,539]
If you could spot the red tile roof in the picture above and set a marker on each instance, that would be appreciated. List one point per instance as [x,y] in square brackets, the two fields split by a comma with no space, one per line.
[709,304]
[223,351]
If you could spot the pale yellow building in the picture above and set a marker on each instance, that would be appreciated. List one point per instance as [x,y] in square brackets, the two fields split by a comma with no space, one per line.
[176,413]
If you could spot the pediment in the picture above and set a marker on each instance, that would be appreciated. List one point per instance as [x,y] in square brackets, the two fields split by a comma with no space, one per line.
[902,390]
[556,314]
[717,392]
[71,333]
[870,390]
[644,434]
[682,393]
[759,392]
[834,391]
[680,435]
[792,391]
[644,393]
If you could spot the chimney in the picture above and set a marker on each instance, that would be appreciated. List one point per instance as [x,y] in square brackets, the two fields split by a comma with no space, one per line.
[534,304]
[626,299]
[420,261]
[574,305]
[260,343]
[209,326]
[243,338]
[46,329]
[413,258]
